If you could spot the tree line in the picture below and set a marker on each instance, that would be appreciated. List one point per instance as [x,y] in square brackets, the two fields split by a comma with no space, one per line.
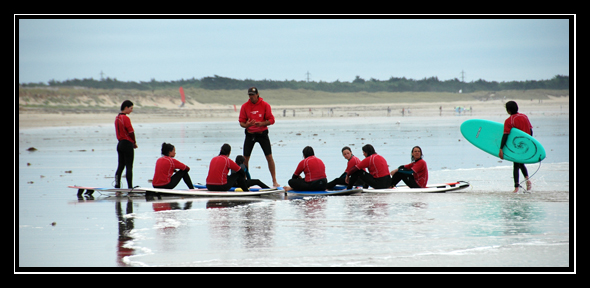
[393,84]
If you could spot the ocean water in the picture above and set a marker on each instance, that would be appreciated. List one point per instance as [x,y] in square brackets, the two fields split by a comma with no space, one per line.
[480,227]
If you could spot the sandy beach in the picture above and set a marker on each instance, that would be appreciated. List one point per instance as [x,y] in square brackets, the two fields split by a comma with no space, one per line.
[483,226]
[167,111]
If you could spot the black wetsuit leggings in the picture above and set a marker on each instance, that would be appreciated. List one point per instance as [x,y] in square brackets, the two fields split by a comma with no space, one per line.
[342,181]
[125,151]
[515,170]
[235,178]
[175,179]
[377,183]
[300,184]
[407,178]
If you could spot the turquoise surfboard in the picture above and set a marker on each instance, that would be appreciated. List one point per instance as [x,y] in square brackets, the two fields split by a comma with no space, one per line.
[487,136]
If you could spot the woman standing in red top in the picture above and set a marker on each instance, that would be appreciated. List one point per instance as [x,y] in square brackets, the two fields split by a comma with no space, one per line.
[378,176]
[314,170]
[352,161]
[164,176]
[127,143]
[415,174]
[217,179]
[518,121]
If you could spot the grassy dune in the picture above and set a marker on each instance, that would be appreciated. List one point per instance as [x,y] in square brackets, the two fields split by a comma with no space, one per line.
[61,98]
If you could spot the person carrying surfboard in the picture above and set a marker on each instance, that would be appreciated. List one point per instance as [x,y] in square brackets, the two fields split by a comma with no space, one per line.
[314,170]
[415,174]
[378,176]
[126,137]
[521,122]
[255,116]
[217,179]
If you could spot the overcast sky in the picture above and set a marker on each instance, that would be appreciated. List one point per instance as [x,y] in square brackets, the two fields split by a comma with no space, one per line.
[330,50]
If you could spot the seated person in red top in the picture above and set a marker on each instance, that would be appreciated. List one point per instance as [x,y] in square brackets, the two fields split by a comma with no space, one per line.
[315,173]
[378,176]
[415,174]
[217,179]
[352,160]
[164,176]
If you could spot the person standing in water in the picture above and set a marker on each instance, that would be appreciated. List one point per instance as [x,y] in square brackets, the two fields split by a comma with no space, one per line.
[519,121]
[126,136]
[255,117]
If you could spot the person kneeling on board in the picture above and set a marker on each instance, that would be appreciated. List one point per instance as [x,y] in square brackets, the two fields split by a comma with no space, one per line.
[217,179]
[315,173]
[415,174]
[164,176]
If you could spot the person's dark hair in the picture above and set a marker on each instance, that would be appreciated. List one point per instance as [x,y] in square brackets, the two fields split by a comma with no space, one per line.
[307,151]
[346,148]
[512,107]
[167,148]
[126,104]
[369,150]
[225,149]
[240,159]
[421,154]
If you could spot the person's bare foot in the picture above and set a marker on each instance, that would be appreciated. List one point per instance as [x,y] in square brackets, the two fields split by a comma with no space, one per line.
[529,185]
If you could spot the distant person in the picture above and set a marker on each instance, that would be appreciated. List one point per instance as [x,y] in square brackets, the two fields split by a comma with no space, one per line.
[249,181]
[314,170]
[415,174]
[126,136]
[519,121]
[255,117]
[170,171]
[378,176]
[217,179]
[351,162]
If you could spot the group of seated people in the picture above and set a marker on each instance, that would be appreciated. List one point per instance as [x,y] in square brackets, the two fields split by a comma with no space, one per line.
[372,171]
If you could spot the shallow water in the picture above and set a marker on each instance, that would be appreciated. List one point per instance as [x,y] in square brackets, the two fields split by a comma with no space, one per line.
[482,226]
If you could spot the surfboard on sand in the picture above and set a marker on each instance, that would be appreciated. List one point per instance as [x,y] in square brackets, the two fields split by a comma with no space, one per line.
[487,136]
[207,193]
[432,188]
[89,189]
[325,193]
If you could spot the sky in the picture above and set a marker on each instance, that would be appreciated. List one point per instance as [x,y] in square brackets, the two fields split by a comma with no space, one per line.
[288,49]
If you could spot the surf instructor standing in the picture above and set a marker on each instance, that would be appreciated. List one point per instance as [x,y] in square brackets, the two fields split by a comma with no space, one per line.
[255,117]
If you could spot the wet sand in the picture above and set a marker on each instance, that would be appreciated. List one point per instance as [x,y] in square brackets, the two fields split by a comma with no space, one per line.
[34,118]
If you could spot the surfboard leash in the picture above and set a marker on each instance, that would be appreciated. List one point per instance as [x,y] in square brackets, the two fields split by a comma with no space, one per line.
[531,176]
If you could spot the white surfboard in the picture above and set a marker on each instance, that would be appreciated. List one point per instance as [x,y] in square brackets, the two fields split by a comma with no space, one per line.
[207,193]
[432,188]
